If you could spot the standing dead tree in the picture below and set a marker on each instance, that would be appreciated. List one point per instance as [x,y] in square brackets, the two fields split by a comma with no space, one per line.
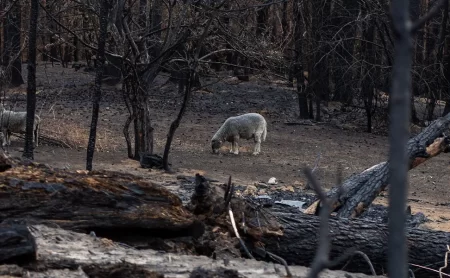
[142,65]
[106,5]
[31,83]
[188,77]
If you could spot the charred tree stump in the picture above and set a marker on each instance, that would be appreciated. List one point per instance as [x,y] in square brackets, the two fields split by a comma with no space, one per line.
[360,190]
[298,244]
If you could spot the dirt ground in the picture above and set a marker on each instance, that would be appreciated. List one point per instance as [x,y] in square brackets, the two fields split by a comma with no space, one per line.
[64,103]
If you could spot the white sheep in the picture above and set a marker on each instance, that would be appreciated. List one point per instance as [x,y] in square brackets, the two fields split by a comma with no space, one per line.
[11,121]
[247,126]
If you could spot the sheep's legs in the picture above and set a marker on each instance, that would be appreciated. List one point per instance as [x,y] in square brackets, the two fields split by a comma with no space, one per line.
[257,148]
[234,146]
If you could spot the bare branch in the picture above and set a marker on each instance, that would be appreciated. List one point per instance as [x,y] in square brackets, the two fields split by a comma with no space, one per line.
[432,12]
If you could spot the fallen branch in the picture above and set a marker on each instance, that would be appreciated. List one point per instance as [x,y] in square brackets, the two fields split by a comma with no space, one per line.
[361,189]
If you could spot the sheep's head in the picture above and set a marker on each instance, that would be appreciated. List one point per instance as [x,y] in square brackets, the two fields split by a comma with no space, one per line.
[216,144]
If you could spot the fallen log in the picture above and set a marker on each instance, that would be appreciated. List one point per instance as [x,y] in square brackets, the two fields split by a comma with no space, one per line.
[63,253]
[298,244]
[359,191]
[294,236]
[108,203]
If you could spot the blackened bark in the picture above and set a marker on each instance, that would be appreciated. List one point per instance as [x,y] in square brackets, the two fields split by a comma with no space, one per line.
[300,236]
[109,203]
[104,10]
[176,123]
[31,87]
[361,189]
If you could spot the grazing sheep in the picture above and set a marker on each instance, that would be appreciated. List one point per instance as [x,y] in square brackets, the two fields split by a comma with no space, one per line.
[247,126]
[11,121]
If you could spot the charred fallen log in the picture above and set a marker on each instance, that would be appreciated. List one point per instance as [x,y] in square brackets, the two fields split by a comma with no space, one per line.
[112,204]
[297,234]
[62,253]
[300,239]
[360,190]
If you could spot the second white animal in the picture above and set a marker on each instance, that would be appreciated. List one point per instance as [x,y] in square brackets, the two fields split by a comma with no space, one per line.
[246,126]
[11,121]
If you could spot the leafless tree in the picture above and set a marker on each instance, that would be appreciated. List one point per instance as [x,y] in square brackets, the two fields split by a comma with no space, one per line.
[31,82]
[105,7]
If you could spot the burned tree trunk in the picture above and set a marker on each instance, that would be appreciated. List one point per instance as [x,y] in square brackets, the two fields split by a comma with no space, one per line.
[361,189]
[105,7]
[300,238]
[176,123]
[28,151]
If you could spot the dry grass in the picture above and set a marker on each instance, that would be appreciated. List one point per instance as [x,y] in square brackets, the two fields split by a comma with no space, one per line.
[75,135]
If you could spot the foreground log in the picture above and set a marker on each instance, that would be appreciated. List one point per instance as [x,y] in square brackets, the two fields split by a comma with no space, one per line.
[360,190]
[298,244]
[62,253]
[108,203]
[294,236]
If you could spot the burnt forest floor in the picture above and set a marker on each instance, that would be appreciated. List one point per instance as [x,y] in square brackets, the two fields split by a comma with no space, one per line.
[64,104]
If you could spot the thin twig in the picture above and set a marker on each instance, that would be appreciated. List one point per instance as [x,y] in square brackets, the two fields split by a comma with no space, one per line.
[233,223]
[445,261]
[365,257]
[428,268]
[282,261]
